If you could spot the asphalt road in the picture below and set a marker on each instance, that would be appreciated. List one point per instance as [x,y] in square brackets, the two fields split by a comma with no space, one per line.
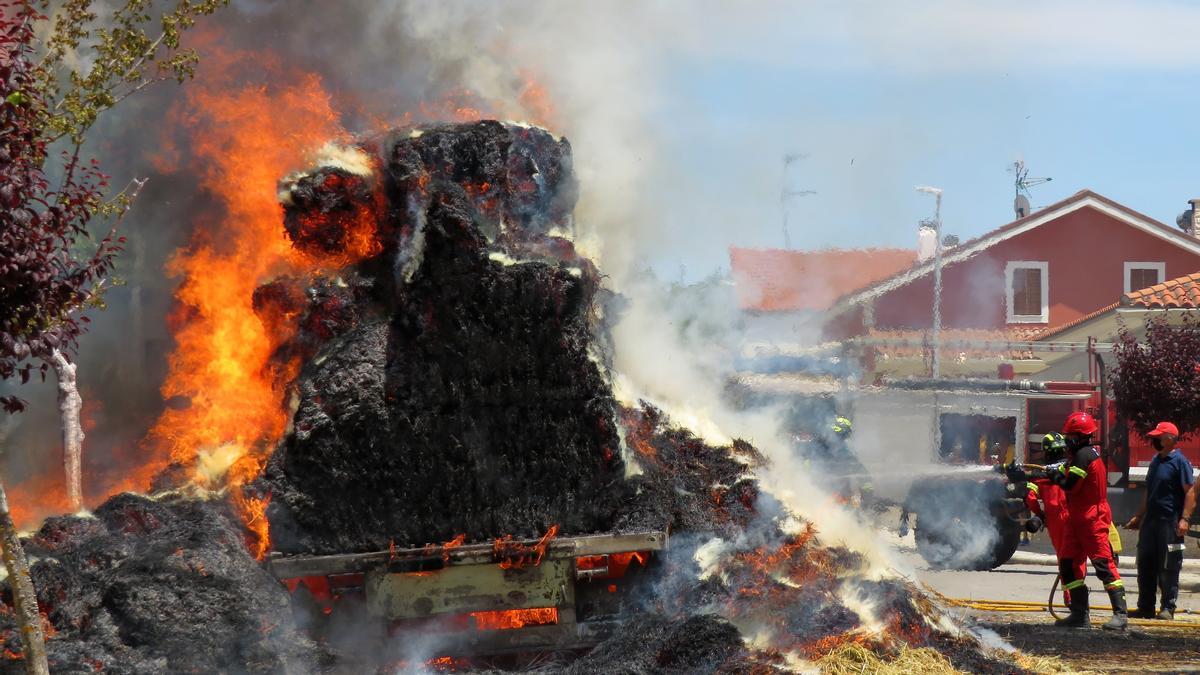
[1028,578]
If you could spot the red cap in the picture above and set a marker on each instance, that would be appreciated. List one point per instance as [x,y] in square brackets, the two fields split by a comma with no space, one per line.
[1165,428]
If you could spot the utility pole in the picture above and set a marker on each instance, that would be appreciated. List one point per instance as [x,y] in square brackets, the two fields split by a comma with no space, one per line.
[937,276]
[786,193]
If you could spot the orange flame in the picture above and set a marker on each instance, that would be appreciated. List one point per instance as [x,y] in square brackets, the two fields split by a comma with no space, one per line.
[615,564]
[515,555]
[445,548]
[515,618]
[446,664]
[535,101]
[244,139]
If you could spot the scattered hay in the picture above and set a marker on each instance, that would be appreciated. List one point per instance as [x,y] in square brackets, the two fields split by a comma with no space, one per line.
[1047,664]
[856,659]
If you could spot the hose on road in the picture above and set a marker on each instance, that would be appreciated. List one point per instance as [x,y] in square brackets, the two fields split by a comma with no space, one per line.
[1028,606]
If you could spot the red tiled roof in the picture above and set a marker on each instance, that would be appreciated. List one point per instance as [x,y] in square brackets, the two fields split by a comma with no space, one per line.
[776,280]
[1179,293]
[968,248]
[1083,319]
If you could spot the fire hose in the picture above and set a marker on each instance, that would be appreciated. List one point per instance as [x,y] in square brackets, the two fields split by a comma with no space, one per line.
[1030,606]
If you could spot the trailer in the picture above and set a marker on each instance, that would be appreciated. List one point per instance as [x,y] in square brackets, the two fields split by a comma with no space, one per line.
[505,596]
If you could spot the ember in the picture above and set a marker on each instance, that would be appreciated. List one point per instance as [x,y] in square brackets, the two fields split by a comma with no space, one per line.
[614,565]
[444,549]
[447,664]
[515,618]
[514,555]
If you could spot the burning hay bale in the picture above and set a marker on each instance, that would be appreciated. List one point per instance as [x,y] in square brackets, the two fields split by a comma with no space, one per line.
[685,484]
[156,585]
[462,396]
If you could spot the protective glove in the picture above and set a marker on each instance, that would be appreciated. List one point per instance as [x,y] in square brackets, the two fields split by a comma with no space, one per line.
[1016,474]
[1036,474]
[1034,525]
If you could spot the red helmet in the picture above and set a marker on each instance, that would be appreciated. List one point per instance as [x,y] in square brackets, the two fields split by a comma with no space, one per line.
[1080,423]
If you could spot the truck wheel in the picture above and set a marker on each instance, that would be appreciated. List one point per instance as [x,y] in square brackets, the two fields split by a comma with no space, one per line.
[1006,545]
[944,547]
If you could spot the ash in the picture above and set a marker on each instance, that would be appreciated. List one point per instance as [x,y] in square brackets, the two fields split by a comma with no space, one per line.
[156,586]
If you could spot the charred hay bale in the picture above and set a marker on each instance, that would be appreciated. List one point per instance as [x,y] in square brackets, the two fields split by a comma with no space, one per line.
[474,409]
[304,314]
[520,179]
[685,484]
[153,586]
[653,643]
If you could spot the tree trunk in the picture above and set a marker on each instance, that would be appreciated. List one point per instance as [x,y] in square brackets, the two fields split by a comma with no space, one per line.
[70,405]
[24,599]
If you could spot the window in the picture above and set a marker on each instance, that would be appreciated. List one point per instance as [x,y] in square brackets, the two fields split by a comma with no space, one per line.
[1028,291]
[1139,275]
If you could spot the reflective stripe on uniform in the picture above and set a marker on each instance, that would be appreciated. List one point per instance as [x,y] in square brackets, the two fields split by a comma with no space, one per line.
[1032,487]
[1116,584]
[1072,585]
[1079,472]
[1174,547]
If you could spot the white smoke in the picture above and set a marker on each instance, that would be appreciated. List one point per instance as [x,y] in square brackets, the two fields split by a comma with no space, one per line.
[602,65]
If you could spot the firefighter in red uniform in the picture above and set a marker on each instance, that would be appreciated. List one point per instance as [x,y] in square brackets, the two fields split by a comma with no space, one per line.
[1089,520]
[1052,511]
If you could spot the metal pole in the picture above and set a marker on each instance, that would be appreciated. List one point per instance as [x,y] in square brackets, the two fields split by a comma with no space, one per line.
[937,276]
[937,288]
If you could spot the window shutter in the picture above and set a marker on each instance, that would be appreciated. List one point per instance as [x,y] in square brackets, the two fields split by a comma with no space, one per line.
[1027,291]
[1143,277]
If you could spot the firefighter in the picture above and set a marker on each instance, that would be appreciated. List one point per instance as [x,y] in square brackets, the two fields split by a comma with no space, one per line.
[855,485]
[1052,511]
[1162,522]
[1089,520]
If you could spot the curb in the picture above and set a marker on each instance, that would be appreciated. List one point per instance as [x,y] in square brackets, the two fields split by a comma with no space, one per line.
[1127,561]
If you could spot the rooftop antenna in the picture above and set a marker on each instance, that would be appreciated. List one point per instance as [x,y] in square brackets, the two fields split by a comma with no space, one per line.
[1021,186]
[786,193]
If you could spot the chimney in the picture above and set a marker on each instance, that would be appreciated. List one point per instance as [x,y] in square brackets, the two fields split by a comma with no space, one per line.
[926,243]
[1193,228]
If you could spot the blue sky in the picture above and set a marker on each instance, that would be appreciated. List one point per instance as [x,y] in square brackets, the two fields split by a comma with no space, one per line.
[1100,95]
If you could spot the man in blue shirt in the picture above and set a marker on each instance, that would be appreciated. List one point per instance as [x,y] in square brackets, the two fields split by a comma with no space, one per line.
[1163,522]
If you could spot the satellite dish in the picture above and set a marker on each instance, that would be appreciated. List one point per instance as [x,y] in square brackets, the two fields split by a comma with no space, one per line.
[1184,220]
[1021,206]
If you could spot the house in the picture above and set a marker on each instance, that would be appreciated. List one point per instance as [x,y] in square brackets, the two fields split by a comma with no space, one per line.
[1018,283]
[1029,277]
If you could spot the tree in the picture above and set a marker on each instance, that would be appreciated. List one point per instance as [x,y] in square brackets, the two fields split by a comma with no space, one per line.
[1157,379]
[51,267]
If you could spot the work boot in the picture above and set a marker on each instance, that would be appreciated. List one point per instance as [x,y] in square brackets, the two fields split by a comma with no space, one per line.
[1078,618]
[1140,613]
[1120,617]
[1166,615]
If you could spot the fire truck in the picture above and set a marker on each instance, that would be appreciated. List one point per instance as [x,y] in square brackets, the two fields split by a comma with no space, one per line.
[929,442]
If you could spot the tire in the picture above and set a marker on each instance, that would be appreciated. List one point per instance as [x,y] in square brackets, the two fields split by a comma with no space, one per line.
[962,526]
[1006,545]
